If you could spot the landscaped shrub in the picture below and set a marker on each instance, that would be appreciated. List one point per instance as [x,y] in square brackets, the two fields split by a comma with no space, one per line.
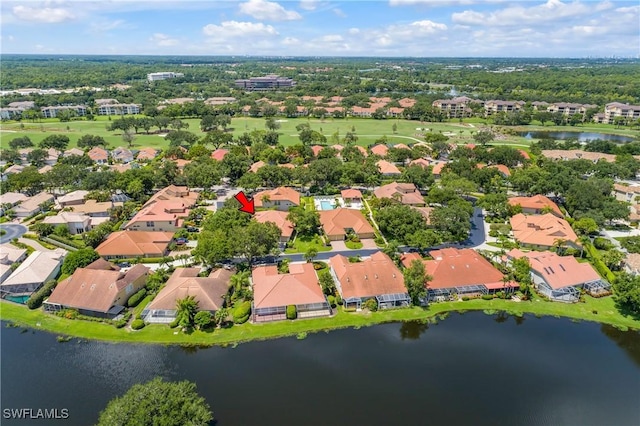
[338,299]
[137,324]
[36,299]
[120,323]
[332,301]
[487,297]
[136,298]
[371,304]
[242,312]
[319,266]
[379,241]
[174,323]
[465,298]
[292,312]
[602,243]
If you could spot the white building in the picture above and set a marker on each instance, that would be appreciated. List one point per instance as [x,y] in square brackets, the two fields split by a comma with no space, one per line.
[39,268]
[52,111]
[113,107]
[157,76]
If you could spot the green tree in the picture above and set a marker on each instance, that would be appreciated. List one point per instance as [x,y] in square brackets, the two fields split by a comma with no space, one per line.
[158,403]
[43,229]
[419,176]
[310,254]
[326,282]
[585,226]
[483,137]
[58,142]
[20,142]
[626,290]
[306,222]
[213,247]
[78,259]
[89,141]
[255,240]
[415,279]
[203,319]
[220,316]
[186,310]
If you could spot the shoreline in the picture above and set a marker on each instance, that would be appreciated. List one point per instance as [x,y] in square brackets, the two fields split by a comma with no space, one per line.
[161,334]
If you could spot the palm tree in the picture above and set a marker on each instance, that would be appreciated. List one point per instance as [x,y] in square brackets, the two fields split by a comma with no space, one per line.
[310,254]
[186,311]
[583,239]
[239,280]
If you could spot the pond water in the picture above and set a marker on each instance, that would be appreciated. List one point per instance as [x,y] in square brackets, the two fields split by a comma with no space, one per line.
[580,136]
[468,369]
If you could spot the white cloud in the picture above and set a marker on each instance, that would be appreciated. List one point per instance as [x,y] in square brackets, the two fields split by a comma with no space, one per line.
[354,30]
[435,3]
[47,15]
[163,40]
[102,26]
[268,11]
[290,41]
[339,13]
[309,4]
[552,10]
[236,29]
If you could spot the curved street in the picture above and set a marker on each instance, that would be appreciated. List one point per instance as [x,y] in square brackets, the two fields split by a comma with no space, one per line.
[13,231]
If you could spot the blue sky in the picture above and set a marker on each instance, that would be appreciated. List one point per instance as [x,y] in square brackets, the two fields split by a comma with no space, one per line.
[424,28]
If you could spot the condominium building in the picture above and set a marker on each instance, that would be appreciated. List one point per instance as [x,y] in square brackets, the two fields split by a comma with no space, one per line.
[268,82]
[569,108]
[52,111]
[157,76]
[15,109]
[113,107]
[617,109]
[494,106]
[456,107]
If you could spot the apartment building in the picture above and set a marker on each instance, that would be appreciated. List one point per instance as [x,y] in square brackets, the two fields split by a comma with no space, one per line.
[569,108]
[165,75]
[455,107]
[268,82]
[617,109]
[52,111]
[113,107]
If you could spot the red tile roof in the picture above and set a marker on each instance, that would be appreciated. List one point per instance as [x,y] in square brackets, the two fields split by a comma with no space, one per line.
[372,277]
[350,193]
[387,168]
[334,222]
[299,287]
[557,271]
[536,202]
[208,291]
[406,193]
[279,194]
[219,154]
[380,150]
[420,162]
[278,218]
[541,230]
[135,243]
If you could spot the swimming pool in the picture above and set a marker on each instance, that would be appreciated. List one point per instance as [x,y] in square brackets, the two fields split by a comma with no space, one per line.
[326,205]
[18,299]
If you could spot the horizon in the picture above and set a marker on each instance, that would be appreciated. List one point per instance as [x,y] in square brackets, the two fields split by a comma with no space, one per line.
[478,29]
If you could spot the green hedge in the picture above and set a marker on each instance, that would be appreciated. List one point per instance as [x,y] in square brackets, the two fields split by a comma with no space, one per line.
[242,312]
[598,264]
[292,312]
[72,243]
[36,299]
[136,298]
[137,324]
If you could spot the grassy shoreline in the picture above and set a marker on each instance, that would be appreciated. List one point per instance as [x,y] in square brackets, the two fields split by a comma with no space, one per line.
[595,310]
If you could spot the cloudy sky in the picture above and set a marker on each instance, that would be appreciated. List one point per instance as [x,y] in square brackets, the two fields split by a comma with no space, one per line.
[554,28]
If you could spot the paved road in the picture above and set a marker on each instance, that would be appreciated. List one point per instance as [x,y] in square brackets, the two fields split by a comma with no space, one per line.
[325,255]
[13,231]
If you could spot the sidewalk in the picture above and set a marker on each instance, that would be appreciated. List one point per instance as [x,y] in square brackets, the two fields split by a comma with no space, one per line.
[36,245]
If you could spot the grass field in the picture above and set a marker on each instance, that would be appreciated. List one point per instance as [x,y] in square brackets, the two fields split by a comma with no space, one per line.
[367,130]
[304,243]
[597,310]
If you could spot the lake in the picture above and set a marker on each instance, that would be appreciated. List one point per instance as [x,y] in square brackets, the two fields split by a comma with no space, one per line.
[469,369]
[580,136]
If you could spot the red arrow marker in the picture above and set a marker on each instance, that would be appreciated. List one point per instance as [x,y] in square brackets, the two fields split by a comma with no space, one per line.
[248,206]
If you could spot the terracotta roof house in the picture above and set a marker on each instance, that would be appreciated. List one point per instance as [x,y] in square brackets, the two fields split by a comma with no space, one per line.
[337,147]
[316,149]
[122,155]
[159,216]
[287,166]
[537,204]
[524,154]
[575,154]
[72,198]
[339,222]
[381,150]
[94,208]
[208,291]
[76,223]
[374,278]
[133,244]
[273,292]
[282,198]
[36,270]
[99,155]
[32,205]
[542,232]
[351,196]
[8,256]
[437,169]
[388,169]
[425,212]
[423,162]
[628,193]
[219,154]
[401,146]
[405,193]
[98,291]
[455,271]
[504,170]
[147,154]
[560,277]
[279,218]
[257,166]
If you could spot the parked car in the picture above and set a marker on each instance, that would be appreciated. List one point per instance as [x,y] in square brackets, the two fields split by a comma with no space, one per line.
[124,265]
[181,241]
[192,229]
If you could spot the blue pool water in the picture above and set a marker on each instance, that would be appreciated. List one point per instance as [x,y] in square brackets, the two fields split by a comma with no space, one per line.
[18,299]
[326,205]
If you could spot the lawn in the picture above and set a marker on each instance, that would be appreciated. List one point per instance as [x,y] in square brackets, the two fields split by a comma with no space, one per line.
[353,245]
[597,310]
[304,243]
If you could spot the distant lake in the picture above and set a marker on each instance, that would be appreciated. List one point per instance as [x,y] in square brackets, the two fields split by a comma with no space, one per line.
[471,369]
[580,136]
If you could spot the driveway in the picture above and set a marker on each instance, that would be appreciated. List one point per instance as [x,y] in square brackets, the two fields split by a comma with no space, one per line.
[338,246]
[13,231]
[369,243]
